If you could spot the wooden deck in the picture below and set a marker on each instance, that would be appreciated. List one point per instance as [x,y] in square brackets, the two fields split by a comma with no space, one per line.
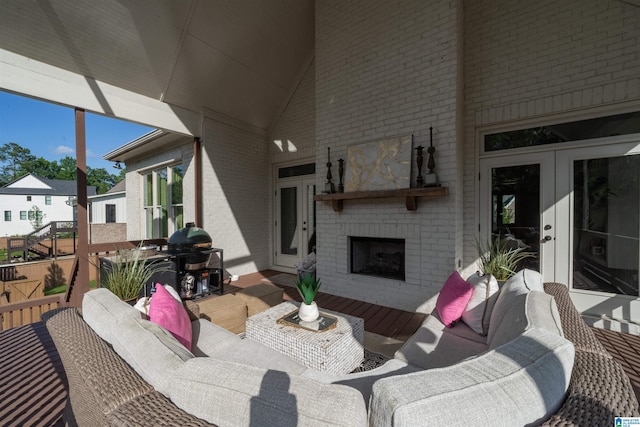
[33,385]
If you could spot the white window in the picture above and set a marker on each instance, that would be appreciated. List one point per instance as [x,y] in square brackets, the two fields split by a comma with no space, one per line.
[162,190]
[47,200]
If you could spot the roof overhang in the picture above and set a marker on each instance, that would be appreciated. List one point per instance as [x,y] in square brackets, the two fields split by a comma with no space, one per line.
[146,145]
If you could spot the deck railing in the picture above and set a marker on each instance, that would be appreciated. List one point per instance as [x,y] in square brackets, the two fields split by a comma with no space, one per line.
[29,311]
[26,312]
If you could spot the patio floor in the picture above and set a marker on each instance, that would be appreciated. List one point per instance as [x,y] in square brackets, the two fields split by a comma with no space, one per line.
[33,385]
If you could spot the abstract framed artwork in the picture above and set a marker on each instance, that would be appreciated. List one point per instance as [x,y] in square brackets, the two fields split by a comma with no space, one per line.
[379,165]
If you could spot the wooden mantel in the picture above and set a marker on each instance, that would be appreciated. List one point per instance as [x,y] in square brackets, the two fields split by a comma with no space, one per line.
[410,194]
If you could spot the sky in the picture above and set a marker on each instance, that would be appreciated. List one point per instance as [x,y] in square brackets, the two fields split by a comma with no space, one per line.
[48,130]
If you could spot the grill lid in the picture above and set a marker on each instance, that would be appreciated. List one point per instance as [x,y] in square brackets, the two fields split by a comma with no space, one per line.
[189,239]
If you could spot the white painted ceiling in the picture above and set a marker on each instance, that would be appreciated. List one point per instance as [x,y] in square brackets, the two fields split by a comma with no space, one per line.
[240,58]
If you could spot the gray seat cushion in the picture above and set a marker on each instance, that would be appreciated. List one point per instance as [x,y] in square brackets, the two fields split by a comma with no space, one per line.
[232,394]
[434,345]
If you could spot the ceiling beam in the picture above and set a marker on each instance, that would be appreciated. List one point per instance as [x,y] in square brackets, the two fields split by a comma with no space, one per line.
[35,79]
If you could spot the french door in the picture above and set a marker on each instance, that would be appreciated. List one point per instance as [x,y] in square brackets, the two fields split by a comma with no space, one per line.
[295,223]
[517,205]
[578,210]
[598,192]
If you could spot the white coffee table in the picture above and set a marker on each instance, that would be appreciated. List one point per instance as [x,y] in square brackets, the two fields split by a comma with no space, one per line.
[338,350]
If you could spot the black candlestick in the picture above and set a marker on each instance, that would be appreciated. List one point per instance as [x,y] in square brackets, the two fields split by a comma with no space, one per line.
[328,186]
[431,180]
[340,175]
[419,179]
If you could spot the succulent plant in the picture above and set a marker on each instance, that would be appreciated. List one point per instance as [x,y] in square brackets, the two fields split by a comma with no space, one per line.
[308,286]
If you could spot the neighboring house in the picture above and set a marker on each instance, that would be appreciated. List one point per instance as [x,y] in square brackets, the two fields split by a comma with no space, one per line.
[534,101]
[109,207]
[108,215]
[21,200]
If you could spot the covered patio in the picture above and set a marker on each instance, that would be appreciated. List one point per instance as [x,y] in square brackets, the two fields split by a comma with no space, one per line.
[246,96]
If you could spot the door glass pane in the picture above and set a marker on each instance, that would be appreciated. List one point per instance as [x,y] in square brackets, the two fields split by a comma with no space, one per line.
[311,217]
[515,213]
[620,124]
[288,221]
[606,224]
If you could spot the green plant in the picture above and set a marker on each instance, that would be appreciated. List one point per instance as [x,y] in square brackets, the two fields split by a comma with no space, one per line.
[127,274]
[308,287]
[499,258]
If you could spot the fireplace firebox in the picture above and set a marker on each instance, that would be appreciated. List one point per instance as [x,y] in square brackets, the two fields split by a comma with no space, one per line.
[375,256]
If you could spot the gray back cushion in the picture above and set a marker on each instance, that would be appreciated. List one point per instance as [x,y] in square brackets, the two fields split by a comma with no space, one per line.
[521,383]
[520,283]
[101,309]
[148,348]
[529,310]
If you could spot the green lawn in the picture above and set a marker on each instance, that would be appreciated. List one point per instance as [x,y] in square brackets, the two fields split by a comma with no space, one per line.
[63,288]
[3,254]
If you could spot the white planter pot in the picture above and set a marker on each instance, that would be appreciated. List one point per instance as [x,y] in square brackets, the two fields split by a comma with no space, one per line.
[309,312]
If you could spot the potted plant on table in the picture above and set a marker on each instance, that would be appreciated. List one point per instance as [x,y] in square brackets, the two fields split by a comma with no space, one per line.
[308,285]
[500,258]
[126,276]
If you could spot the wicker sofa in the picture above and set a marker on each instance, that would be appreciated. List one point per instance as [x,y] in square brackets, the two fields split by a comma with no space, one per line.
[104,390]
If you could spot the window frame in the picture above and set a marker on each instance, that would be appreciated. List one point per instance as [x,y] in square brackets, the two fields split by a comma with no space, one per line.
[7,216]
[162,200]
[110,216]
[47,200]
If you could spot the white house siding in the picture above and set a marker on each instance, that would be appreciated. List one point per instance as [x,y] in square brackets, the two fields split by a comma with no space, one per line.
[99,211]
[28,181]
[58,210]
[235,193]
[388,68]
[538,60]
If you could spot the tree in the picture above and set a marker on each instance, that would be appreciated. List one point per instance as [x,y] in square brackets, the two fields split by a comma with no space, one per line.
[16,161]
[102,179]
[36,217]
[67,169]
[13,158]
[42,167]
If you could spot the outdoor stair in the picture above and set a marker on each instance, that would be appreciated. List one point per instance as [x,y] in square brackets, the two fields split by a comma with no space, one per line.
[33,244]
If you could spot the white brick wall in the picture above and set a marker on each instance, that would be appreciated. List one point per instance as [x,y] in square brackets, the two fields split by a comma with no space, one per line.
[537,60]
[235,188]
[297,123]
[387,68]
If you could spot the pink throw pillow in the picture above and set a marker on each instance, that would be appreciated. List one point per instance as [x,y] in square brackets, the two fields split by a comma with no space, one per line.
[169,313]
[453,299]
